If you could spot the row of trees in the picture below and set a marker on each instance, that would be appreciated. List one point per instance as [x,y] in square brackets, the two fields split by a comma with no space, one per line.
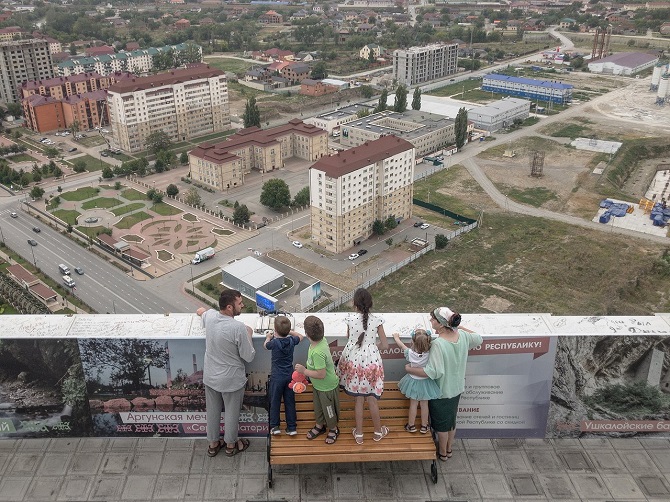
[276,195]
[400,102]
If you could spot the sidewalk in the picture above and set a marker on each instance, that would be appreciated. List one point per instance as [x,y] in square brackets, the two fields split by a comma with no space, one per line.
[156,469]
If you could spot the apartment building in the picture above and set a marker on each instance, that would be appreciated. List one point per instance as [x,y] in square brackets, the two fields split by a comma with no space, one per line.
[22,60]
[351,190]
[139,61]
[422,64]
[427,132]
[184,103]
[528,88]
[56,103]
[224,165]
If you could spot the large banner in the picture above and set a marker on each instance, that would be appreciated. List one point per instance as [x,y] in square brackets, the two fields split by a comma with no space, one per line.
[141,375]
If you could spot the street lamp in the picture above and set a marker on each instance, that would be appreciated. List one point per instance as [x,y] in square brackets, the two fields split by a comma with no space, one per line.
[148,360]
[33,252]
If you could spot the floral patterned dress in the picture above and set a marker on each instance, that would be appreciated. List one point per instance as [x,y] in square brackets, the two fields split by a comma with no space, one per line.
[360,369]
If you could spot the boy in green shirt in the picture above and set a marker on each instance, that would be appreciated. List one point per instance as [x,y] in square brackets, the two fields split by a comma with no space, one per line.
[321,371]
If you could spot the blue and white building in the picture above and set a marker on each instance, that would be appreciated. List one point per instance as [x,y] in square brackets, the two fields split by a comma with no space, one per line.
[528,88]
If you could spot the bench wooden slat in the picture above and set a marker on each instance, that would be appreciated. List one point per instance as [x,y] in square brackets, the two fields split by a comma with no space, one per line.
[352,456]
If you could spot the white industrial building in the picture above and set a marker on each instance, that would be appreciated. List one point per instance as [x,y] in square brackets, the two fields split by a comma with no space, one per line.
[334,119]
[422,64]
[249,275]
[624,63]
[499,114]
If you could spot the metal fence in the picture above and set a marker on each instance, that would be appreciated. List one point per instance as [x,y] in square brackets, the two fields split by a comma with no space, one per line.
[350,295]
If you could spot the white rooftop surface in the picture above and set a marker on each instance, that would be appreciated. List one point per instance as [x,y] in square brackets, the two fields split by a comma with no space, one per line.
[435,104]
[253,272]
[657,189]
[189,325]
[596,145]
[637,220]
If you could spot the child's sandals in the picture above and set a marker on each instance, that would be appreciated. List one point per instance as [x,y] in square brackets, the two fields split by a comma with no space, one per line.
[331,437]
[315,432]
[357,437]
[424,429]
[412,428]
[378,436]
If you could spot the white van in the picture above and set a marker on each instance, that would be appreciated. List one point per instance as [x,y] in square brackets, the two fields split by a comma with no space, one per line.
[69,282]
[64,270]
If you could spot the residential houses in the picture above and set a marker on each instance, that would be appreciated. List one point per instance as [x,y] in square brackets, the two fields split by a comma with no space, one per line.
[21,61]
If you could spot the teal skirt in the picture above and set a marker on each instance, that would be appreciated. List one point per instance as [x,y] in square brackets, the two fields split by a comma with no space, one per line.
[443,413]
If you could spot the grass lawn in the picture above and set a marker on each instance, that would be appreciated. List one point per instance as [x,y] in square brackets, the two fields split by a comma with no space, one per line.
[132,194]
[533,265]
[128,208]
[165,209]
[101,202]
[67,215]
[132,219]
[21,157]
[232,65]
[80,194]
[453,89]
[532,196]
[91,231]
[7,309]
[215,135]
[571,131]
[123,157]
[427,190]
[93,164]
[189,217]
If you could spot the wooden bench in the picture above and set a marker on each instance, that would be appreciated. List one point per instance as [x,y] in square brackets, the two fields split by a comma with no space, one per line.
[398,445]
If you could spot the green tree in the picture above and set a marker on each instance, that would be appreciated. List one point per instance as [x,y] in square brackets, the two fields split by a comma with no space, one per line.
[389,241]
[363,112]
[79,166]
[57,172]
[36,192]
[117,185]
[390,223]
[302,197]
[15,109]
[157,141]
[107,173]
[74,129]
[275,194]
[416,99]
[367,91]
[192,197]
[378,227]
[461,127]
[381,104]
[241,215]
[400,103]
[172,190]
[251,115]
[36,175]
[183,158]
[441,241]
[319,71]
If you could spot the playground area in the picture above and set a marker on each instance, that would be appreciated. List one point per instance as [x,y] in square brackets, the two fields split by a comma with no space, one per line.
[168,234]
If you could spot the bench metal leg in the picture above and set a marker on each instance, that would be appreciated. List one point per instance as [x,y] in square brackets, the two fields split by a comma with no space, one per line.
[267,442]
[433,471]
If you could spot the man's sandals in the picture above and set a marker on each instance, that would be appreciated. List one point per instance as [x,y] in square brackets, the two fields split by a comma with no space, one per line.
[332,435]
[212,451]
[315,432]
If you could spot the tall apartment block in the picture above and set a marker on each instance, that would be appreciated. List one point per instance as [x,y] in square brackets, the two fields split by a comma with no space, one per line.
[350,190]
[184,103]
[22,60]
[422,64]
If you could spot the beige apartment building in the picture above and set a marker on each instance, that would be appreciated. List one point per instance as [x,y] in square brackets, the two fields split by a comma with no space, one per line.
[350,190]
[224,165]
[184,103]
[422,64]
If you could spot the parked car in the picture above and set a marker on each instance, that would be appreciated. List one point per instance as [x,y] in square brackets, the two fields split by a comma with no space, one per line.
[424,226]
[106,131]
[353,256]
[73,149]
[104,153]
[37,229]
[32,242]
[297,244]
[13,214]
[361,252]
[417,224]
[79,270]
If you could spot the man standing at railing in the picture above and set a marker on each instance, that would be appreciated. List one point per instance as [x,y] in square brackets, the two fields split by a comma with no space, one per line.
[227,346]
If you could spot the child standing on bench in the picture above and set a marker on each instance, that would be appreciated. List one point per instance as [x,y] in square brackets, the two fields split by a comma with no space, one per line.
[418,389]
[321,371]
[282,343]
[361,369]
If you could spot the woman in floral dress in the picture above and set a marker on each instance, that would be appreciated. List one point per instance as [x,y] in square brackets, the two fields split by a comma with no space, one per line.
[360,367]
